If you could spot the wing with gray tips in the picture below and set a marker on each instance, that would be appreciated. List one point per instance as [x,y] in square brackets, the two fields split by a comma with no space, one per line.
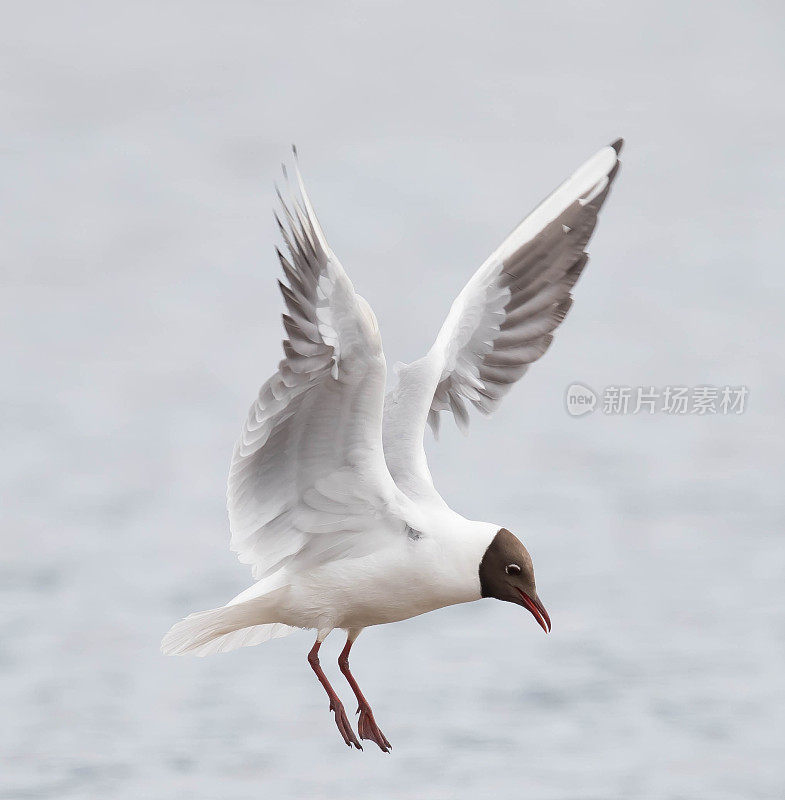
[308,480]
[500,323]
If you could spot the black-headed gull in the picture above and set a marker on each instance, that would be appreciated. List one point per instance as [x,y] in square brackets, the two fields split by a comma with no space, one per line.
[330,498]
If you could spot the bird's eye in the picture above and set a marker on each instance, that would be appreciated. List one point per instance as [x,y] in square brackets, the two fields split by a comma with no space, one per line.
[512,569]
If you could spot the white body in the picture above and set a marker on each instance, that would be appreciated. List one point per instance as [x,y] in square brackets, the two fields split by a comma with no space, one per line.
[330,498]
[402,579]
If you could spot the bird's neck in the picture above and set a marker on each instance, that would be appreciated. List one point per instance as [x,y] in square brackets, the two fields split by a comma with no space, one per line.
[460,545]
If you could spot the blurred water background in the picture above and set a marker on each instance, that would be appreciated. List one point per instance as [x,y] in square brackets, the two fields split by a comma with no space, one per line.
[140,315]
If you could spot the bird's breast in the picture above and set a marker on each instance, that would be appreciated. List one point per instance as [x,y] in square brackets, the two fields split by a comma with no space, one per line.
[409,578]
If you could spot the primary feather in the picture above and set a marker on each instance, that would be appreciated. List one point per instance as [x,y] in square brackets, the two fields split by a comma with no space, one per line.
[500,323]
[305,473]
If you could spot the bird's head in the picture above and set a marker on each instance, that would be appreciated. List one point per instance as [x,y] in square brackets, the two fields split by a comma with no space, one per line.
[507,573]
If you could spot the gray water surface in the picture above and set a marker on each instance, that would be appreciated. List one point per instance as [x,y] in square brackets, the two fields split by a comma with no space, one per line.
[140,315]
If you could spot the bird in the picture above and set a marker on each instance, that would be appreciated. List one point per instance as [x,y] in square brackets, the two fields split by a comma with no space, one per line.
[330,498]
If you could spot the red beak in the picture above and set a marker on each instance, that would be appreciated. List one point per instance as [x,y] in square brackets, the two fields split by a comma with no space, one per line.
[537,609]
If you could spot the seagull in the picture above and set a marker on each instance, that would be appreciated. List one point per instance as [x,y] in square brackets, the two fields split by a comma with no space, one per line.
[330,498]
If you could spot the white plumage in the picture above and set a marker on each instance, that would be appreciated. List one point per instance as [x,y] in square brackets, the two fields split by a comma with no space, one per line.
[329,495]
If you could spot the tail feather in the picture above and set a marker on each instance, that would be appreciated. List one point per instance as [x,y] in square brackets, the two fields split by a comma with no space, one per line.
[220,630]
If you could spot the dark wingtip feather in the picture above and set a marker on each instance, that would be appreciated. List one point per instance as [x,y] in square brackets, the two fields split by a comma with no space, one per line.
[617,145]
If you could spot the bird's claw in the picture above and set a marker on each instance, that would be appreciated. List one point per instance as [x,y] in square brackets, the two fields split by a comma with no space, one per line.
[344,727]
[368,729]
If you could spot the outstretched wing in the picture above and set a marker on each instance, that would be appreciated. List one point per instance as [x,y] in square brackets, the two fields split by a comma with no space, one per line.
[500,323]
[308,481]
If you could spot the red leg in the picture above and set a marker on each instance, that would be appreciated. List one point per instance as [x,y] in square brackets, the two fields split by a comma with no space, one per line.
[366,725]
[336,706]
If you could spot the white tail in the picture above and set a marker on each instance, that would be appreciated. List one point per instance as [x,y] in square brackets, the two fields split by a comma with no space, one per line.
[220,630]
